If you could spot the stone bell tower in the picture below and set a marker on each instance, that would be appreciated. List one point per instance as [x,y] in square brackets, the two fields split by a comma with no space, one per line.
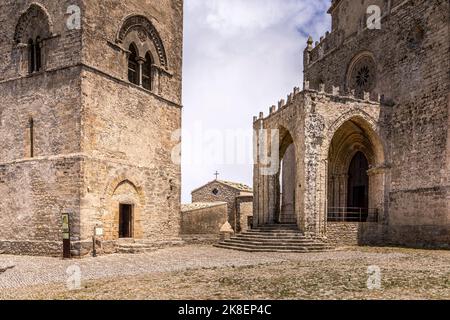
[90,100]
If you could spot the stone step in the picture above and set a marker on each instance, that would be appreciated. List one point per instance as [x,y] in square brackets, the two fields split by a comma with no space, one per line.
[134,248]
[272,232]
[275,229]
[272,235]
[278,226]
[275,243]
[308,250]
[274,238]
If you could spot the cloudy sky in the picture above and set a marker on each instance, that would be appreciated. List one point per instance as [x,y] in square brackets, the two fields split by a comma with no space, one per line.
[240,57]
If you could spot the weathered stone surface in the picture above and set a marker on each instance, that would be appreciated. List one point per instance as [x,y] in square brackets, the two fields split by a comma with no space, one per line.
[203,218]
[236,195]
[98,140]
[384,93]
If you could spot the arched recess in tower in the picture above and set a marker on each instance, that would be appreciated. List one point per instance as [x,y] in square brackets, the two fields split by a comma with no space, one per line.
[286,180]
[355,187]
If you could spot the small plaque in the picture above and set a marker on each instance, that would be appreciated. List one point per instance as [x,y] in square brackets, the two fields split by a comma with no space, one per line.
[65,223]
[66,236]
[99,232]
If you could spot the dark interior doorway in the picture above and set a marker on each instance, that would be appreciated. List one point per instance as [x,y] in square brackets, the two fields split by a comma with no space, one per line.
[358,182]
[125,221]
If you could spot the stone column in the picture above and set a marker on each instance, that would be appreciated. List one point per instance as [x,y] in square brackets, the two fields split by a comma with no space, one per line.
[377,190]
[140,64]
[343,190]
[156,79]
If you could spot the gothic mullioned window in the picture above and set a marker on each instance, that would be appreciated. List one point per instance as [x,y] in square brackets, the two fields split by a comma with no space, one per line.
[34,55]
[133,65]
[147,62]
[147,72]
[33,29]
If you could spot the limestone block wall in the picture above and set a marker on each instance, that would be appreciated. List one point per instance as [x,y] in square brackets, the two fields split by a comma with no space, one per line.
[204,220]
[101,50]
[224,194]
[62,49]
[98,140]
[246,211]
[35,193]
[343,233]
[355,234]
[409,52]
[128,138]
[52,100]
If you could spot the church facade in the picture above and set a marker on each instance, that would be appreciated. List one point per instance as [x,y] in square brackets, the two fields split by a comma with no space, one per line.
[90,96]
[366,143]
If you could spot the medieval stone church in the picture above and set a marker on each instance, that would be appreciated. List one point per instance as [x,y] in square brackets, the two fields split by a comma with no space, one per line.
[364,149]
[87,115]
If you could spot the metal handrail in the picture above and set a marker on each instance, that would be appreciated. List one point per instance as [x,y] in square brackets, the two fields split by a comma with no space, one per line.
[352,214]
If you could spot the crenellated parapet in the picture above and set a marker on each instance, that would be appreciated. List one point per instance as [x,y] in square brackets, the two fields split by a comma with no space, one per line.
[334,93]
[316,50]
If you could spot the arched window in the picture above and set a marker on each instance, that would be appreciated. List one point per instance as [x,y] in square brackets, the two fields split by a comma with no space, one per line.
[37,48]
[34,55]
[31,56]
[34,28]
[133,67]
[147,72]
[362,74]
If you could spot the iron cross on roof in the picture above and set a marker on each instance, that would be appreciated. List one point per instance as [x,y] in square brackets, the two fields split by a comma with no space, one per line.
[216,174]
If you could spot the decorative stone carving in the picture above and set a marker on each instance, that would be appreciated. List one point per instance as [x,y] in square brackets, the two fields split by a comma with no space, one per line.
[142,35]
[362,74]
[143,25]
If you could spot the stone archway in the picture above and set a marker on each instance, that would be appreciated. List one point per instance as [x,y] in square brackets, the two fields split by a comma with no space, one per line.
[286,180]
[355,186]
[123,211]
[277,185]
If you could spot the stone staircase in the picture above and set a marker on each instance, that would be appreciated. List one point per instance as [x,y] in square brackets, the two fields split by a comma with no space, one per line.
[274,238]
[141,246]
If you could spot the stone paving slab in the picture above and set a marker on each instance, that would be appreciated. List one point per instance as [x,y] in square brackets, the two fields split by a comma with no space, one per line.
[22,275]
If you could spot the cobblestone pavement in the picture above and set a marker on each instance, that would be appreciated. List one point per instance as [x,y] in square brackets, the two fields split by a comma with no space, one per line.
[204,272]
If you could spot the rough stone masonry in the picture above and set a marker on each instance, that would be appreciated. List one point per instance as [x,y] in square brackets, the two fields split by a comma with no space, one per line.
[86,122]
[369,132]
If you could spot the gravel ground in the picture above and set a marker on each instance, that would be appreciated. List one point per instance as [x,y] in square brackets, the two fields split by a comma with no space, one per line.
[203,272]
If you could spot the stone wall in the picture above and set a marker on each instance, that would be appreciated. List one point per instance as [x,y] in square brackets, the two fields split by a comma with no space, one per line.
[409,50]
[354,233]
[402,123]
[245,212]
[343,233]
[224,193]
[35,193]
[102,51]
[203,220]
[98,139]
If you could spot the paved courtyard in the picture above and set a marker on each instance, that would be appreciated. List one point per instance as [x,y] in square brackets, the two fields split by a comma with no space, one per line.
[204,272]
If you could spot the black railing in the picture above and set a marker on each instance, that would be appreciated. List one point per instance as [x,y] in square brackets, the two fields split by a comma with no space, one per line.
[352,215]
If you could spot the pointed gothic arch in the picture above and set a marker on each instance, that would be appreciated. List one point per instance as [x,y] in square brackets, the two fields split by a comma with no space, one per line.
[35,21]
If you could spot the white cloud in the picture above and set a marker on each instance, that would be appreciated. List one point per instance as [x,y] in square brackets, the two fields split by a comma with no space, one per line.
[240,57]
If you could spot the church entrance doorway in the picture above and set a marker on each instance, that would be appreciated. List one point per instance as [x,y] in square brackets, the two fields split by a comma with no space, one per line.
[358,183]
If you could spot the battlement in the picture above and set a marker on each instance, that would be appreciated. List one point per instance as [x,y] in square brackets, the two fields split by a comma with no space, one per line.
[317,50]
[335,92]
